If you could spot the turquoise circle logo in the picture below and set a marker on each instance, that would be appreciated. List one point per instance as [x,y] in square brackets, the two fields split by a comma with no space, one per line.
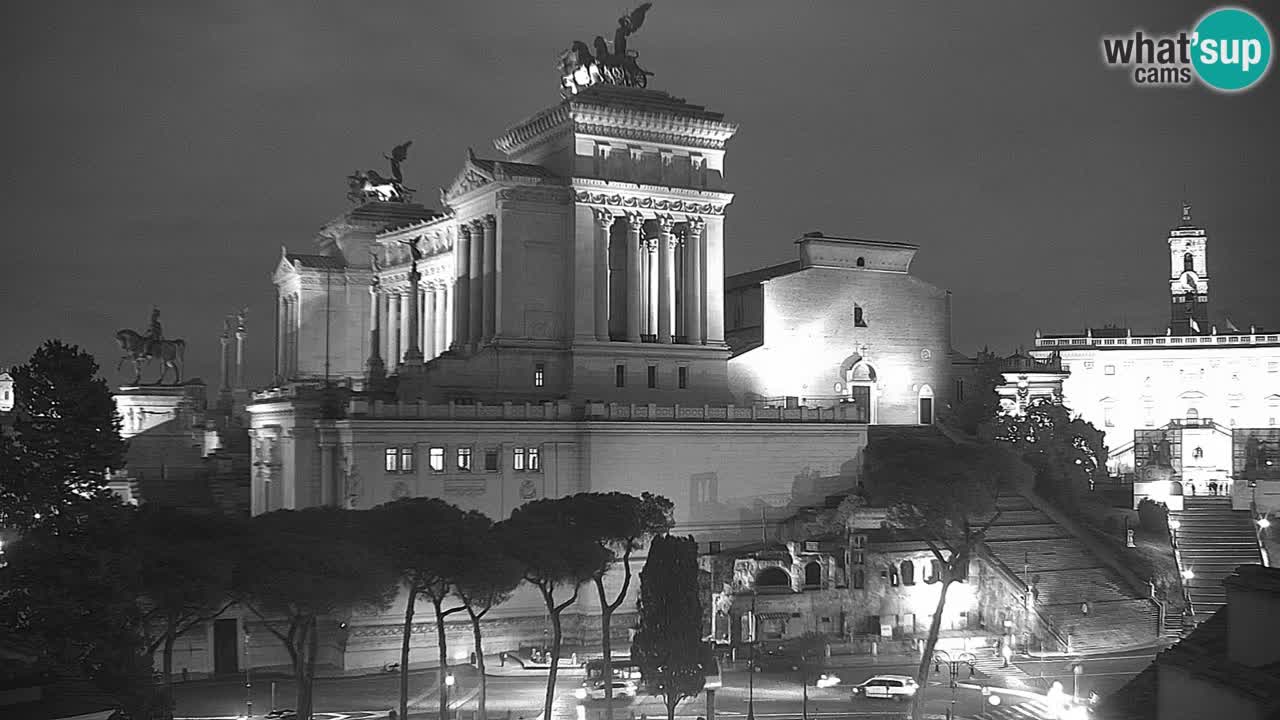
[1232,49]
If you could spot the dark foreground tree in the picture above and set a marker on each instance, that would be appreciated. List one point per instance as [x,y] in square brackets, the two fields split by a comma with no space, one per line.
[311,564]
[423,537]
[1067,454]
[552,542]
[71,591]
[622,524]
[187,563]
[487,578]
[668,643]
[65,439]
[945,494]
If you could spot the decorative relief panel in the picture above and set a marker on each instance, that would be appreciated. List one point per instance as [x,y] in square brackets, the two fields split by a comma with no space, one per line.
[649,203]
[464,486]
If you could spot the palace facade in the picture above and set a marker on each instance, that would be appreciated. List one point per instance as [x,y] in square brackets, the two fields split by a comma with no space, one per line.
[1200,399]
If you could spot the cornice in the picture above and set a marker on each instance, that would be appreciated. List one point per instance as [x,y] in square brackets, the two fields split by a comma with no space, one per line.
[609,194]
[532,130]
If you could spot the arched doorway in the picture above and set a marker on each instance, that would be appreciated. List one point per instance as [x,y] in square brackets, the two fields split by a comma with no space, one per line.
[859,385]
[924,399]
[813,574]
[773,577]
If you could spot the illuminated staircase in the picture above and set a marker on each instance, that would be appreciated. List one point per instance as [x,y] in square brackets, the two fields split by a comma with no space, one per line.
[1212,541]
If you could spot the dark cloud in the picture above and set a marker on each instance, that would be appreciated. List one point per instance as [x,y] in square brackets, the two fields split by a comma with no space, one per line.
[163,154]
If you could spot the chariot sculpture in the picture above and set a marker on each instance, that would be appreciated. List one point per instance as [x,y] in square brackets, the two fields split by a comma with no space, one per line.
[580,68]
[370,186]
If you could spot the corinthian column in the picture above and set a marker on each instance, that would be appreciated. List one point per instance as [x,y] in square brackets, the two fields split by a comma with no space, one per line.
[413,329]
[439,313]
[408,304]
[490,228]
[393,328]
[634,290]
[377,371]
[462,287]
[694,330]
[651,285]
[475,310]
[604,222]
[666,279]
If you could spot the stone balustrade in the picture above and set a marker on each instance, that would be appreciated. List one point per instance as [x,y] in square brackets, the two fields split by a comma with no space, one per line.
[565,411]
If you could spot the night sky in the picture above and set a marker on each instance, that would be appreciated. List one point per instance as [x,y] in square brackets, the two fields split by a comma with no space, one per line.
[162,155]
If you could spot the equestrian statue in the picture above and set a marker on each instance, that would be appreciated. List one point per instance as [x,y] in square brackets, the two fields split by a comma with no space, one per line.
[142,349]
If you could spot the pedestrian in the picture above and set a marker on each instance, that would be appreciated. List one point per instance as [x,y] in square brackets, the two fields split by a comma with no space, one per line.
[1213,487]
[1192,483]
[502,658]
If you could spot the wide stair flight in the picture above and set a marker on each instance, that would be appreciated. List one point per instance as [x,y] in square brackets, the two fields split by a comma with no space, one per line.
[1212,541]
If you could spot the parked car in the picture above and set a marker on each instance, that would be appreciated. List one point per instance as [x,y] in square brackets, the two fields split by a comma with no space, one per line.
[281,715]
[596,690]
[889,687]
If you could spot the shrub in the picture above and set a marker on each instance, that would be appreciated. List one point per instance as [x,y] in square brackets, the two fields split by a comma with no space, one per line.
[1153,516]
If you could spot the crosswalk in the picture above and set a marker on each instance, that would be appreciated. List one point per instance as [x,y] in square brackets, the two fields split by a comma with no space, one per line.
[1021,710]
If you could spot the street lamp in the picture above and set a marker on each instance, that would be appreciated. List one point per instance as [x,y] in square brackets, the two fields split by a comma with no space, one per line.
[1263,523]
[751,670]
[1173,528]
[942,657]
[1187,574]
[248,682]
[1076,670]
[448,685]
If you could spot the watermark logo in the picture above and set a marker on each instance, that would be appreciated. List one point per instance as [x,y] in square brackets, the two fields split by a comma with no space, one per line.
[1229,50]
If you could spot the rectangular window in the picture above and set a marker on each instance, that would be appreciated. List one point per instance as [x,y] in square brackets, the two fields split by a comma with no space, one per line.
[682,377]
[539,374]
[436,458]
[859,320]
[491,460]
[959,390]
[1109,370]
[391,463]
[1107,419]
[517,459]
[620,375]
[406,459]
[926,411]
[653,376]
[535,459]
[464,459]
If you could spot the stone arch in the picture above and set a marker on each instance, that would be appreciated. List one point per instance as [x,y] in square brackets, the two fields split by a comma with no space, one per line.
[773,577]
[861,262]
[813,574]
[908,569]
[924,403]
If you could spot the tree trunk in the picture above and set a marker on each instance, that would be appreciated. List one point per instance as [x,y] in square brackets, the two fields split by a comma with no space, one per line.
[170,634]
[302,696]
[672,701]
[313,649]
[444,657]
[404,652]
[606,648]
[926,658]
[555,661]
[484,687]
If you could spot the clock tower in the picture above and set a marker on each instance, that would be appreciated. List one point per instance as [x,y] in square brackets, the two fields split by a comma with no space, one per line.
[1188,278]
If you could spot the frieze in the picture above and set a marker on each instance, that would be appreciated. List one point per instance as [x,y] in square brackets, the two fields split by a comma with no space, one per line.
[648,203]
[560,196]
[467,487]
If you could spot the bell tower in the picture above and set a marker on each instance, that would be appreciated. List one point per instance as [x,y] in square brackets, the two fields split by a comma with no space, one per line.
[1188,278]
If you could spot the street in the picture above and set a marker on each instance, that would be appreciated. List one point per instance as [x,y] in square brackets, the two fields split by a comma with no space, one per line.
[775,696]
[1103,674]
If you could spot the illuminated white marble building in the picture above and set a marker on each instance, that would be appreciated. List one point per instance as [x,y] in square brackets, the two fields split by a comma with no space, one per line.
[1205,389]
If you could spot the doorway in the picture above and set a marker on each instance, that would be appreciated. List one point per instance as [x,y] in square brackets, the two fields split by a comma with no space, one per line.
[226,646]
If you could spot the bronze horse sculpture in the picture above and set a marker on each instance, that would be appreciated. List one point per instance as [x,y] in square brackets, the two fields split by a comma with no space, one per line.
[142,350]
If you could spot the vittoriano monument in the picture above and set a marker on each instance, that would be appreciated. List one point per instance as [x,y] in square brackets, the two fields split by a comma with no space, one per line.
[580,69]
[369,186]
[142,349]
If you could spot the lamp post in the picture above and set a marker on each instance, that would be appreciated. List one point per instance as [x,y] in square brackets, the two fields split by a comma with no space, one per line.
[448,685]
[1173,530]
[942,657]
[751,669]
[1076,670]
[248,682]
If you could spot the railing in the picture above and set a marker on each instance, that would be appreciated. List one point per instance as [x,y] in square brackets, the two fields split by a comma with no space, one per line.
[1153,340]
[564,411]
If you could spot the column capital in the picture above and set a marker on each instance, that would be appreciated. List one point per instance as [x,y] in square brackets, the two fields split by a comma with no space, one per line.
[464,230]
[696,223]
[666,223]
[490,222]
[604,217]
[477,225]
[635,221]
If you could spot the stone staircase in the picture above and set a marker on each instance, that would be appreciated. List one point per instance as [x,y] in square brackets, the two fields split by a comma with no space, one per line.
[1212,541]
[1066,576]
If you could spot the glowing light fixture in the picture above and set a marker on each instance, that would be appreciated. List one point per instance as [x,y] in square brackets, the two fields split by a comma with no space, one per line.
[449,680]
[1175,524]
[1264,523]
[1187,574]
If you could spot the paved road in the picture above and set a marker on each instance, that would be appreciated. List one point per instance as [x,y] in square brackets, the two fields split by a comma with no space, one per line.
[1103,674]
[775,697]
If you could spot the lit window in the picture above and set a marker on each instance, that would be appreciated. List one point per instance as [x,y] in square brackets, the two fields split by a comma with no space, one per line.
[436,458]
[490,460]
[893,575]
[406,459]
[517,459]
[620,375]
[1109,370]
[464,459]
[391,460]
[535,460]
[682,377]
[539,372]
[653,376]
[1107,419]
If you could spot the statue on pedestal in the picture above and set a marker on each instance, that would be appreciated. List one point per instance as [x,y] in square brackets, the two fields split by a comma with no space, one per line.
[142,349]
[370,186]
[579,69]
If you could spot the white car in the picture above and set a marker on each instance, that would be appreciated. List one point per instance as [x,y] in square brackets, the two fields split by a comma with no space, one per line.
[595,691]
[889,687]
[826,680]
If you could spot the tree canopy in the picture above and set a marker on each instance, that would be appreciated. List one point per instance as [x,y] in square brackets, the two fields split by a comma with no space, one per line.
[668,643]
[1067,454]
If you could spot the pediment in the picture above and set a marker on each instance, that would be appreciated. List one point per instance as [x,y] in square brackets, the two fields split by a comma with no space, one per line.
[284,268]
[470,177]
[1192,395]
[1273,399]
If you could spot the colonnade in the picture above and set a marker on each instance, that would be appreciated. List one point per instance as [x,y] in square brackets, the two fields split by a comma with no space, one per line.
[671,255]
[393,308]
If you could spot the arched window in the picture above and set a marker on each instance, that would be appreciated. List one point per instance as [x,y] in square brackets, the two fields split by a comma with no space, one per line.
[813,574]
[908,572]
[862,262]
[1188,262]
[773,577]
[1193,414]
[858,319]
[925,402]
[935,572]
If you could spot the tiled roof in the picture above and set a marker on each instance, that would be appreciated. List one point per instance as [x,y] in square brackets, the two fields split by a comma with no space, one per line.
[331,262]
[392,214]
[755,277]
